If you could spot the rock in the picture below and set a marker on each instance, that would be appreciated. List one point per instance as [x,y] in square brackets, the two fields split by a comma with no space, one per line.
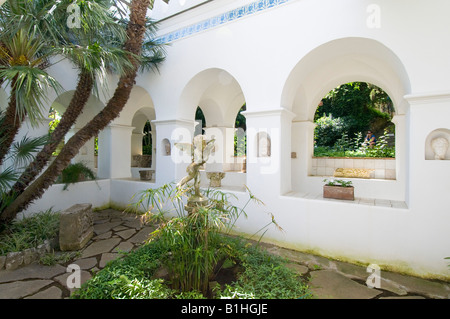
[14,260]
[30,255]
[2,262]
[299,269]
[76,227]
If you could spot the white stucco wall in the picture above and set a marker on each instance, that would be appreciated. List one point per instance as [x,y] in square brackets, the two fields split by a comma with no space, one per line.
[281,61]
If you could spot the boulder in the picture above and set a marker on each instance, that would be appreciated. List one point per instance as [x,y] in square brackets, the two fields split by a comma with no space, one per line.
[76,227]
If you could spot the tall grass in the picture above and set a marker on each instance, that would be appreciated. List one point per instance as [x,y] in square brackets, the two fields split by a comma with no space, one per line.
[194,241]
[29,232]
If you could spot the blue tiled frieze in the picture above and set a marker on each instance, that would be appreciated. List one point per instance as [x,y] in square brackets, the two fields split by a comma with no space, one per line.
[218,20]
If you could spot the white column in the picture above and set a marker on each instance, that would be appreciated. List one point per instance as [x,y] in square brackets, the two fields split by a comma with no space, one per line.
[303,146]
[114,154]
[86,154]
[136,143]
[223,154]
[428,181]
[172,167]
[269,174]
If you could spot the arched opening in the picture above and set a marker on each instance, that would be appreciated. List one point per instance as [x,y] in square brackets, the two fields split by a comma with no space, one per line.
[322,70]
[215,98]
[88,153]
[354,121]
[143,141]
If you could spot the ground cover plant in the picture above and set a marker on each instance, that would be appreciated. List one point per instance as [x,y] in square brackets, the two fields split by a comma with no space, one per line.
[29,232]
[255,275]
[196,255]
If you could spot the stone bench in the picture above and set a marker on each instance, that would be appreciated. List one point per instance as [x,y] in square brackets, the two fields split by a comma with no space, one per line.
[76,227]
[354,173]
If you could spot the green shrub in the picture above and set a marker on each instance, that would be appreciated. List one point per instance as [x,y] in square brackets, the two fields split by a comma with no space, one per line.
[75,173]
[29,232]
[328,130]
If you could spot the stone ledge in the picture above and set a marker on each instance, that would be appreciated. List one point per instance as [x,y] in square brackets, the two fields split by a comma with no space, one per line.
[14,260]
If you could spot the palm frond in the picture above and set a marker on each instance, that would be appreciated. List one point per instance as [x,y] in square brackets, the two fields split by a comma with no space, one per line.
[31,89]
[7,177]
[22,152]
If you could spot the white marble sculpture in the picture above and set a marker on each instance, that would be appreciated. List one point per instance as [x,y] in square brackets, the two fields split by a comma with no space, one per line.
[440,147]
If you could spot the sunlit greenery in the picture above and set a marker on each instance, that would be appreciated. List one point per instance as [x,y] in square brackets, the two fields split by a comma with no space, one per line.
[344,117]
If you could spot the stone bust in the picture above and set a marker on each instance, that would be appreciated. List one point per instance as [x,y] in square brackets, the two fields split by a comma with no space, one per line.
[440,147]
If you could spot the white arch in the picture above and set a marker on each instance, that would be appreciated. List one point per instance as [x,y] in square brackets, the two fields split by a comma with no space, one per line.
[217,92]
[323,69]
[342,61]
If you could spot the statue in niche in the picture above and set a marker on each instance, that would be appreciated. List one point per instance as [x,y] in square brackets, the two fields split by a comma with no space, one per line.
[440,147]
[263,145]
[200,150]
[167,147]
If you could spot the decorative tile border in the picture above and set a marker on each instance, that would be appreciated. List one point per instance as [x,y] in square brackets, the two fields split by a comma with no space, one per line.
[218,20]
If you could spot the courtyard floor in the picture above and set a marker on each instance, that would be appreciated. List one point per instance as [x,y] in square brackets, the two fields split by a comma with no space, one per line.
[116,232]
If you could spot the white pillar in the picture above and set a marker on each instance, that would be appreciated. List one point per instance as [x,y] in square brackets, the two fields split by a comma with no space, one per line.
[303,146]
[86,154]
[269,174]
[223,154]
[114,154]
[136,143]
[172,167]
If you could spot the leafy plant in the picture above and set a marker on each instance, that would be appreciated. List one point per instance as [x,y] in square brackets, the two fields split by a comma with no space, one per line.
[265,277]
[29,232]
[132,277]
[75,173]
[193,238]
[337,182]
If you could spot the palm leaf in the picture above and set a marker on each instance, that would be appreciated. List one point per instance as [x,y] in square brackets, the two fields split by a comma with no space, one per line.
[7,177]
[22,152]
[31,89]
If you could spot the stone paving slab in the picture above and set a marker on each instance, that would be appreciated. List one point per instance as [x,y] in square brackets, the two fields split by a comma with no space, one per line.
[328,284]
[142,235]
[100,247]
[20,289]
[50,293]
[33,271]
[421,286]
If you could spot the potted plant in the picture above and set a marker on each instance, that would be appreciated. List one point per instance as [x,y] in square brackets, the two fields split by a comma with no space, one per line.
[338,189]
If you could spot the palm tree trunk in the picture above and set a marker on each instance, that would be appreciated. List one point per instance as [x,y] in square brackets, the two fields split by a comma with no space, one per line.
[11,124]
[75,107]
[135,35]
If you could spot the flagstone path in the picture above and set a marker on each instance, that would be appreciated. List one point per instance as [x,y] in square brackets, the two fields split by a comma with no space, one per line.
[117,232]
